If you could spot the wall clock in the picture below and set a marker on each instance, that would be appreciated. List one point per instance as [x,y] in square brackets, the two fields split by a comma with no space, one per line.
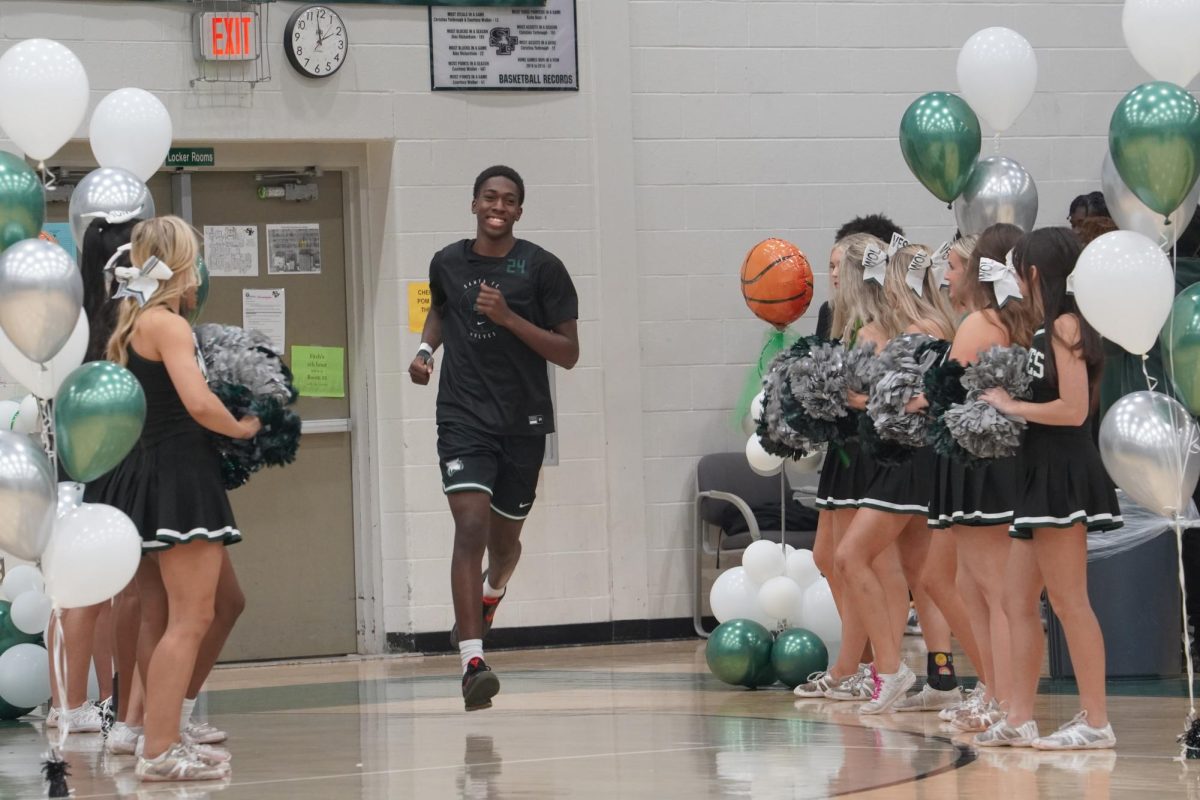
[316,41]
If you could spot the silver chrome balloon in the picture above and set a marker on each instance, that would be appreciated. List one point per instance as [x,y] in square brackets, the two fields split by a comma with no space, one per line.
[1151,448]
[109,193]
[41,292]
[1131,214]
[27,497]
[998,190]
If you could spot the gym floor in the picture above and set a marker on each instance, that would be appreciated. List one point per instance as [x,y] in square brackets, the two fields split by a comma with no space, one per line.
[629,721]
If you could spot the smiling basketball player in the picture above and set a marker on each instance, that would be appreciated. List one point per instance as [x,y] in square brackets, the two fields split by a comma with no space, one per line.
[503,307]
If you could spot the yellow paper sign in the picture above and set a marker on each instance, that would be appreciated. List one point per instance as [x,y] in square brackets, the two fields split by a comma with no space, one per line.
[319,371]
[419,302]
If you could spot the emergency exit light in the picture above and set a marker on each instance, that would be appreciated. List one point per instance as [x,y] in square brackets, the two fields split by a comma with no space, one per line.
[229,36]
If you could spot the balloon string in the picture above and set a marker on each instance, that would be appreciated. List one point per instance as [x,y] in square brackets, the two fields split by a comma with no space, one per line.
[1151,383]
[1187,639]
[996,143]
[48,179]
[46,429]
[60,680]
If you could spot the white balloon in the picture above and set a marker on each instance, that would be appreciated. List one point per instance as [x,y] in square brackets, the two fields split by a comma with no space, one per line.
[1162,36]
[821,614]
[28,417]
[780,597]
[70,497]
[756,406]
[9,409]
[131,129]
[31,612]
[93,554]
[802,569]
[25,675]
[733,596]
[21,579]
[760,460]
[30,374]
[1125,287]
[763,560]
[997,73]
[43,96]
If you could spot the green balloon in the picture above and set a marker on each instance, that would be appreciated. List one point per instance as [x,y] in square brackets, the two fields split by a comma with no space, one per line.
[201,291]
[739,653]
[1180,339]
[1154,139]
[940,140]
[797,654]
[22,201]
[98,416]
[10,712]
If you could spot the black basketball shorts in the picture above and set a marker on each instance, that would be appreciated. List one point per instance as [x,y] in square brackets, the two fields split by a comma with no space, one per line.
[506,467]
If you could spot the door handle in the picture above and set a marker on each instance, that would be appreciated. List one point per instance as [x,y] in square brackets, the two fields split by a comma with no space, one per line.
[325,426]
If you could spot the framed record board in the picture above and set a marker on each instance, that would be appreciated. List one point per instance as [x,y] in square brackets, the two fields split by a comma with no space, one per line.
[480,48]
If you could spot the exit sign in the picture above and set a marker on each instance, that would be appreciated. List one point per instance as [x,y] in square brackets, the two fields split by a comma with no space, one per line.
[228,36]
[178,157]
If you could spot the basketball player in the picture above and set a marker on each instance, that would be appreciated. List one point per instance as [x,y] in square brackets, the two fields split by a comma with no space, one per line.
[503,307]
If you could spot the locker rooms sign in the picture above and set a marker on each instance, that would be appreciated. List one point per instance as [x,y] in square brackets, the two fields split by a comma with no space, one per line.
[504,48]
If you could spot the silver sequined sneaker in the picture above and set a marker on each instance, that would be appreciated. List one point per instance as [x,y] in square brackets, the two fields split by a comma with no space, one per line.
[975,696]
[1004,735]
[930,699]
[984,715]
[816,686]
[1078,735]
[213,756]
[88,718]
[859,687]
[204,733]
[178,763]
[890,689]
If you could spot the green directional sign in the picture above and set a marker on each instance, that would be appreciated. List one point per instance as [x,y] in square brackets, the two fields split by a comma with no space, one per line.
[191,157]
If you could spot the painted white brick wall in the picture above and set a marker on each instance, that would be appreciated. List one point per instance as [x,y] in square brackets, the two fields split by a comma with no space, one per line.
[749,118]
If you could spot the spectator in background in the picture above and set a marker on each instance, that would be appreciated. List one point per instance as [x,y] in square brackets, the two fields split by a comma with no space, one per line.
[1087,205]
[1093,228]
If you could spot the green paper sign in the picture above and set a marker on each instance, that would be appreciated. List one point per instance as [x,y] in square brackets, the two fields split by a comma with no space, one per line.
[319,371]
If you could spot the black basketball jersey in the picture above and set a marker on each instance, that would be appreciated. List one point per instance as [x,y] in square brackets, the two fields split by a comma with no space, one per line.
[490,379]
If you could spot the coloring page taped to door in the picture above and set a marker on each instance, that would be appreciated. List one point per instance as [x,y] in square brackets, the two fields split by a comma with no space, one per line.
[231,251]
[263,310]
[294,249]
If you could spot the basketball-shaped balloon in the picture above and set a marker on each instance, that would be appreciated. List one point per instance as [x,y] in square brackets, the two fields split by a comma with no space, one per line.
[777,282]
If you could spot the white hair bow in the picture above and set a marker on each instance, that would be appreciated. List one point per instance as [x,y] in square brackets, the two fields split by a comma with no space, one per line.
[920,264]
[875,261]
[140,283]
[1003,278]
[941,264]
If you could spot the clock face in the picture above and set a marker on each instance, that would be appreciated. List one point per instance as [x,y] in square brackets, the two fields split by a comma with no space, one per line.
[315,41]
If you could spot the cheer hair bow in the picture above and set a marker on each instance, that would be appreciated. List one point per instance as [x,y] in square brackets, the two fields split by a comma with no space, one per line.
[875,261]
[941,264]
[140,283]
[1003,278]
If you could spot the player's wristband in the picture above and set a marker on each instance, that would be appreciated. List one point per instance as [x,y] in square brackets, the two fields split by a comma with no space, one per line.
[425,352]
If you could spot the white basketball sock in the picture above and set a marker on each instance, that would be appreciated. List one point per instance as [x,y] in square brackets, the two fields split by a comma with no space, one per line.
[490,592]
[468,649]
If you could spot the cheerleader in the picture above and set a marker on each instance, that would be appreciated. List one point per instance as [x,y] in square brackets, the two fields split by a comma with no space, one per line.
[843,478]
[895,498]
[1063,493]
[170,486]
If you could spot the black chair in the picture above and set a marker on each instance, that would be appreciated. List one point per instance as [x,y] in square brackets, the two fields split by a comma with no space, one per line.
[725,481]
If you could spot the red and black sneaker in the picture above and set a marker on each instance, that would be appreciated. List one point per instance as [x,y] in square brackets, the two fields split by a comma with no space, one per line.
[479,685]
[490,604]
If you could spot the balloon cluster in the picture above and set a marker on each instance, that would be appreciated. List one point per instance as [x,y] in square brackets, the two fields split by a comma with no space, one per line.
[941,139]
[742,652]
[777,587]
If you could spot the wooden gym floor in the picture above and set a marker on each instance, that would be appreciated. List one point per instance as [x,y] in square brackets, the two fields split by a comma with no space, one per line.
[632,721]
